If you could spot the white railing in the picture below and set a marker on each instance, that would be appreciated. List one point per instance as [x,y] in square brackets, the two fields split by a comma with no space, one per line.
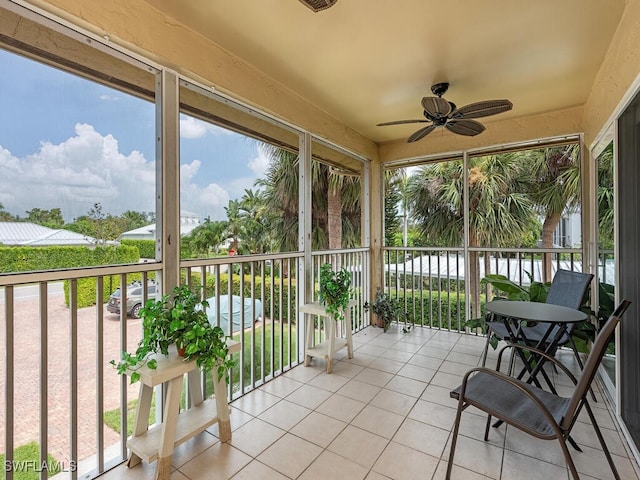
[434,288]
[57,388]
[59,391]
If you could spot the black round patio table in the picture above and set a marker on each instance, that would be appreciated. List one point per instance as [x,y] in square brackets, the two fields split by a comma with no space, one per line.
[513,312]
[535,312]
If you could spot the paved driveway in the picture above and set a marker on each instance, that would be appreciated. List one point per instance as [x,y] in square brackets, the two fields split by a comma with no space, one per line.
[27,373]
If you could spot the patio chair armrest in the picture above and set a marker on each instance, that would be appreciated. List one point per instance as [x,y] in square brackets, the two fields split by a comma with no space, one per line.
[539,352]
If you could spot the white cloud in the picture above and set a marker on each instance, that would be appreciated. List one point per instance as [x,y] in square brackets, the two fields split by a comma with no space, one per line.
[73,175]
[191,128]
[208,201]
[259,164]
[237,186]
[109,98]
[88,168]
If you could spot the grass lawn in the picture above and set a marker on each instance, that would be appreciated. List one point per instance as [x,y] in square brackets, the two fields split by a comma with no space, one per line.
[112,417]
[26,463]
[268,357]
[258,353]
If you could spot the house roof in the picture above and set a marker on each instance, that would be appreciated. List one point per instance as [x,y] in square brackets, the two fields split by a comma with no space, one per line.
[31,234]
[188,221]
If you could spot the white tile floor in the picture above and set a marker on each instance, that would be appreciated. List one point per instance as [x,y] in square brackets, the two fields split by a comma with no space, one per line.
[385,414]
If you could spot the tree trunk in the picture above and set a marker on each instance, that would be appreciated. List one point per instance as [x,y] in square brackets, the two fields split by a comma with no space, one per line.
[334,218]
[550,224]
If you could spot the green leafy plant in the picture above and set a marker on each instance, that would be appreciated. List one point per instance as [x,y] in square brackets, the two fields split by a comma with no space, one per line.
[387,308]
[335,290]
[179,319]
[507,289]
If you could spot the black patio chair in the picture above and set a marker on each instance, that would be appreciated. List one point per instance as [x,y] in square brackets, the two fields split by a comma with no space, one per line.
[528,408]
[568,289]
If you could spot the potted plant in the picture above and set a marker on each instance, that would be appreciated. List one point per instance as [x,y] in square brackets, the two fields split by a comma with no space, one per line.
[387,309]
[335,290]
[179,319]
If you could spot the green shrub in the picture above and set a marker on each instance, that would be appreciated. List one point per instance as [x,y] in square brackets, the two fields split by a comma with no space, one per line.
[435,309]
[87,288]
[28,259]
[147,248]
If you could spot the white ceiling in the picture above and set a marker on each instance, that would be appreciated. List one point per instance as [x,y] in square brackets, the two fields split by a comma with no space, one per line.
[371,61]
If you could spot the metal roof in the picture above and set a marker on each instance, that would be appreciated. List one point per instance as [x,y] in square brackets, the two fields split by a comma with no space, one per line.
[31,234]
[188,221]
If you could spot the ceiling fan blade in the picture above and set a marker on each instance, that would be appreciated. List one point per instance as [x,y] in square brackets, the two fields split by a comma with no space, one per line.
[400,122]
[482,109]
[423,132]
[436,106]
[469,128]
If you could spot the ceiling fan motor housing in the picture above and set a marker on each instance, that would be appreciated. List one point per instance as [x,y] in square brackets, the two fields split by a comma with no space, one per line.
[440,89]
[438,121]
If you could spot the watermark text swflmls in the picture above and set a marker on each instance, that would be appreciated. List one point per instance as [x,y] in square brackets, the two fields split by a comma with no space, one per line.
[37,466]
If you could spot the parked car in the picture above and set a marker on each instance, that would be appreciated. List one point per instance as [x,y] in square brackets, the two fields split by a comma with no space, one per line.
[134,299]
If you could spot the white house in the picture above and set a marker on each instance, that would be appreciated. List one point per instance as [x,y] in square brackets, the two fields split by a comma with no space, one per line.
[188,221]
[33,235]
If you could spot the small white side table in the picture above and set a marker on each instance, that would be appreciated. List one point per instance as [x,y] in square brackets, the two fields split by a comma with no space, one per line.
[333,343]
[158,442]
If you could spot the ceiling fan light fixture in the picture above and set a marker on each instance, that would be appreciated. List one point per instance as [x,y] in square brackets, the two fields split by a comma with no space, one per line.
[318,5]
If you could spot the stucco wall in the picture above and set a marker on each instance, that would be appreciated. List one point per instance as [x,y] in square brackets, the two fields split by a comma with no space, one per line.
[617,74]
[500,132]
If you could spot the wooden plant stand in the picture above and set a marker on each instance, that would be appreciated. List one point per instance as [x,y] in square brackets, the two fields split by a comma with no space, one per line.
[332,343]
[158,442]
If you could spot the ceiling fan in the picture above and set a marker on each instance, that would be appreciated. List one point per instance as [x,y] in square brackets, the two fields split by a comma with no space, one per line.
[443,113]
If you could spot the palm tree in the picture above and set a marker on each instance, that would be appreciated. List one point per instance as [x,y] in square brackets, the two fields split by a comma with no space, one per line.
[335,203]
[605,199]
[499,214]
[255,228]
[280,187]
[341,218]
[234,225]
[553,185]
[208,236]
[395,182]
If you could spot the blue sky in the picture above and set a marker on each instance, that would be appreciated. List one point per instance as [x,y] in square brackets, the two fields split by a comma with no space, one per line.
[67,142]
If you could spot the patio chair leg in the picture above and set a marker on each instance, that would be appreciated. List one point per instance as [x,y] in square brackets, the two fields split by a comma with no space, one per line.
[486,430]
[605,449]
[568,459]
[485,352]
[574,444]
[454,438]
